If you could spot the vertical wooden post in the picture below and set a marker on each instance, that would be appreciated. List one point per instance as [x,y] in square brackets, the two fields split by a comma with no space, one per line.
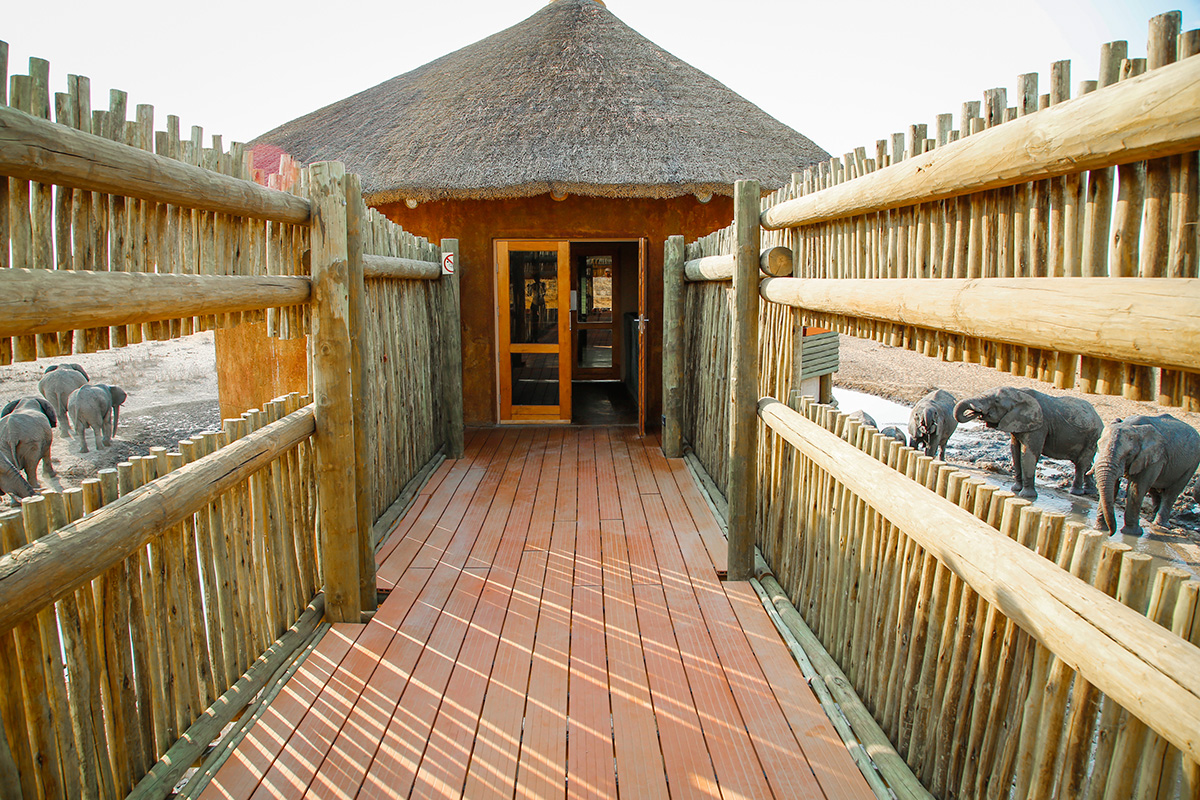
[673,309]
[452,355]
[363,479]
[743,373]
[333,444]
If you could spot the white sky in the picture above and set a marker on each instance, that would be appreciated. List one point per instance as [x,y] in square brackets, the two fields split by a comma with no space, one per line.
[842,73]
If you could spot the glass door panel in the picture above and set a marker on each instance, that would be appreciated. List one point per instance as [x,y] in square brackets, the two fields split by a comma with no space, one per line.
[595,350]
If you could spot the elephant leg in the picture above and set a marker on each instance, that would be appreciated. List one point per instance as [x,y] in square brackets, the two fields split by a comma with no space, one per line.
[1018,481]
[1029,461]
[106,427]
[47,467]
[81,435]
[28,458]
[1134,494]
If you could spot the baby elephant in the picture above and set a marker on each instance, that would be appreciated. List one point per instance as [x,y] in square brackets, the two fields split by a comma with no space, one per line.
[863,418]
[1040,425]
[932,422]
[895,433]
[1157,454]
[96,406]
[56,386]
[24,441]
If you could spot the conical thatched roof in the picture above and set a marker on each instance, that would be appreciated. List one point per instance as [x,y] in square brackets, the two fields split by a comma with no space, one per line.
[569,100]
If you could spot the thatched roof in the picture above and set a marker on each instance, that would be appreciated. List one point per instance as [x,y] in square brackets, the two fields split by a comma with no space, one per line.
[569,100]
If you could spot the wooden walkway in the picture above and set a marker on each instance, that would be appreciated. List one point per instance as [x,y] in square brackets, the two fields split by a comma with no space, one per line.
[555,628]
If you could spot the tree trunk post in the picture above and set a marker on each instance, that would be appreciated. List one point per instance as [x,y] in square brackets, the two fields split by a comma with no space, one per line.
[333,443]
[452,353]
[363,479]
[673,310]
[743,380]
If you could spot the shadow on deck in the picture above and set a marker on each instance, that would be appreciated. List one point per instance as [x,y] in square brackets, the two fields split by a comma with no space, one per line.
[555,627]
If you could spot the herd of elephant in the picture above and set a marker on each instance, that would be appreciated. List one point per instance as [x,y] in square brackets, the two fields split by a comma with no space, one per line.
[1158,454]
[26,423]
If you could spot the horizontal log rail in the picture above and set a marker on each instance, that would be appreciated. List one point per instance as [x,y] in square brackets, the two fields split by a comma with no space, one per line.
[773,261]
[1149,116]
[48,300]
[38,150]
[1142,666]
[391,267]
[1137,320]
[52,567]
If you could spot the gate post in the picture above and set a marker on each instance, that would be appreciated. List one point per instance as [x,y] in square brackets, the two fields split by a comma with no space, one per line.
[363,479]
[743,382]
[333,443]
[452,353]
[673,309]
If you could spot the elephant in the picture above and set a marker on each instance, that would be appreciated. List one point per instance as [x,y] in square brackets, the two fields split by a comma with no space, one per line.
[34,404]
[863,418]
[96,406]
[12,482]
[1158,454]
[895,433]
[932,422]
[56,386]
[24,441]
[1040,425]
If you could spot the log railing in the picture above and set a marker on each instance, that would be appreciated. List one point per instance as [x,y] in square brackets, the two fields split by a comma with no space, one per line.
[177,584]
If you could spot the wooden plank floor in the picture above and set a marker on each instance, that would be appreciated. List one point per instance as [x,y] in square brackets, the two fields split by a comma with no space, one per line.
[555,628]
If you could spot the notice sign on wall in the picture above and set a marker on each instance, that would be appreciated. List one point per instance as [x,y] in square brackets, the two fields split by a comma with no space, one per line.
[447,263]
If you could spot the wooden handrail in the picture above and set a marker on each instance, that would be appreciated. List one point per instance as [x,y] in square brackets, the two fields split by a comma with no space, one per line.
[1138,320]
[52,567]
[47,300]
[773,261]
[1145,117]
[1141,665]
[383,267]
[38,150]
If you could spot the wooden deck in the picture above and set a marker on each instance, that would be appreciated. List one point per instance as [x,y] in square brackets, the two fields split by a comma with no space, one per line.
[555,628]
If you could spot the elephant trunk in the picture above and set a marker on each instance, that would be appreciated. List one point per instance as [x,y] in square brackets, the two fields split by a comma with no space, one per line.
[1109,469]
[116,417]
[965,411]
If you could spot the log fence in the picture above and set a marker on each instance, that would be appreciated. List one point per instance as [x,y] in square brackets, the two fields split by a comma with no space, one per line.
[140,613]
[995,650]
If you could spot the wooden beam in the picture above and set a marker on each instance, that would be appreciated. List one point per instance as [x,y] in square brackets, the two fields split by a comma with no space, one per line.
[38,150]
[333,444]
[42,300]
[452,355]
[46,570]
[743,379]
[1141,665]
[1145,117]
[355,224]
[672,347]
[775,262]
[390,267]
[1137,320]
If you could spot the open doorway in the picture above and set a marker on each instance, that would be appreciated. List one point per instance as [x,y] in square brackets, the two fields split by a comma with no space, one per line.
[606,344]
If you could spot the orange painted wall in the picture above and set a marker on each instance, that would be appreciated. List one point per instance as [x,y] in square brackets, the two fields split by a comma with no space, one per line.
[253,368]
[477,223]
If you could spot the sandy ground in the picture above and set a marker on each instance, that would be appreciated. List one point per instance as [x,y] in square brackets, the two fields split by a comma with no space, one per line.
[903,377]
[172,389]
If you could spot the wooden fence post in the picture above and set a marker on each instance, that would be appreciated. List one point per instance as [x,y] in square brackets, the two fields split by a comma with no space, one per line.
[452,354]
[673,309]
[333,443]
[743,380]
[797,359]
[363,479]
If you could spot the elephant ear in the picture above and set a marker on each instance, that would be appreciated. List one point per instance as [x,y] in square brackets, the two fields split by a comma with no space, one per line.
[118,395]
[1023,412]
[79,369]
[1153,450]
[48,410]
[4,412]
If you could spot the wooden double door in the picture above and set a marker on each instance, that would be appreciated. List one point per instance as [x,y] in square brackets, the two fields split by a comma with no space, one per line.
[560,318]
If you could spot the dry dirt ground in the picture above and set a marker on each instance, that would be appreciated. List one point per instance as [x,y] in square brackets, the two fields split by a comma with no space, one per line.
[904,377]
[172,390]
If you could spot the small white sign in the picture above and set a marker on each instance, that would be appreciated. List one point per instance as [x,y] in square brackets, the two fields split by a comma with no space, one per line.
[448,263]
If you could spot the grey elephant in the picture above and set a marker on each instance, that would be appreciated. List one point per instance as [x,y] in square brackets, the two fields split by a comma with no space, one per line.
[863,418]
[96,406]
[57,385]
[932,423]
[895,433]
[1159,455]
[34,404]
[1040,425]
[25,438]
